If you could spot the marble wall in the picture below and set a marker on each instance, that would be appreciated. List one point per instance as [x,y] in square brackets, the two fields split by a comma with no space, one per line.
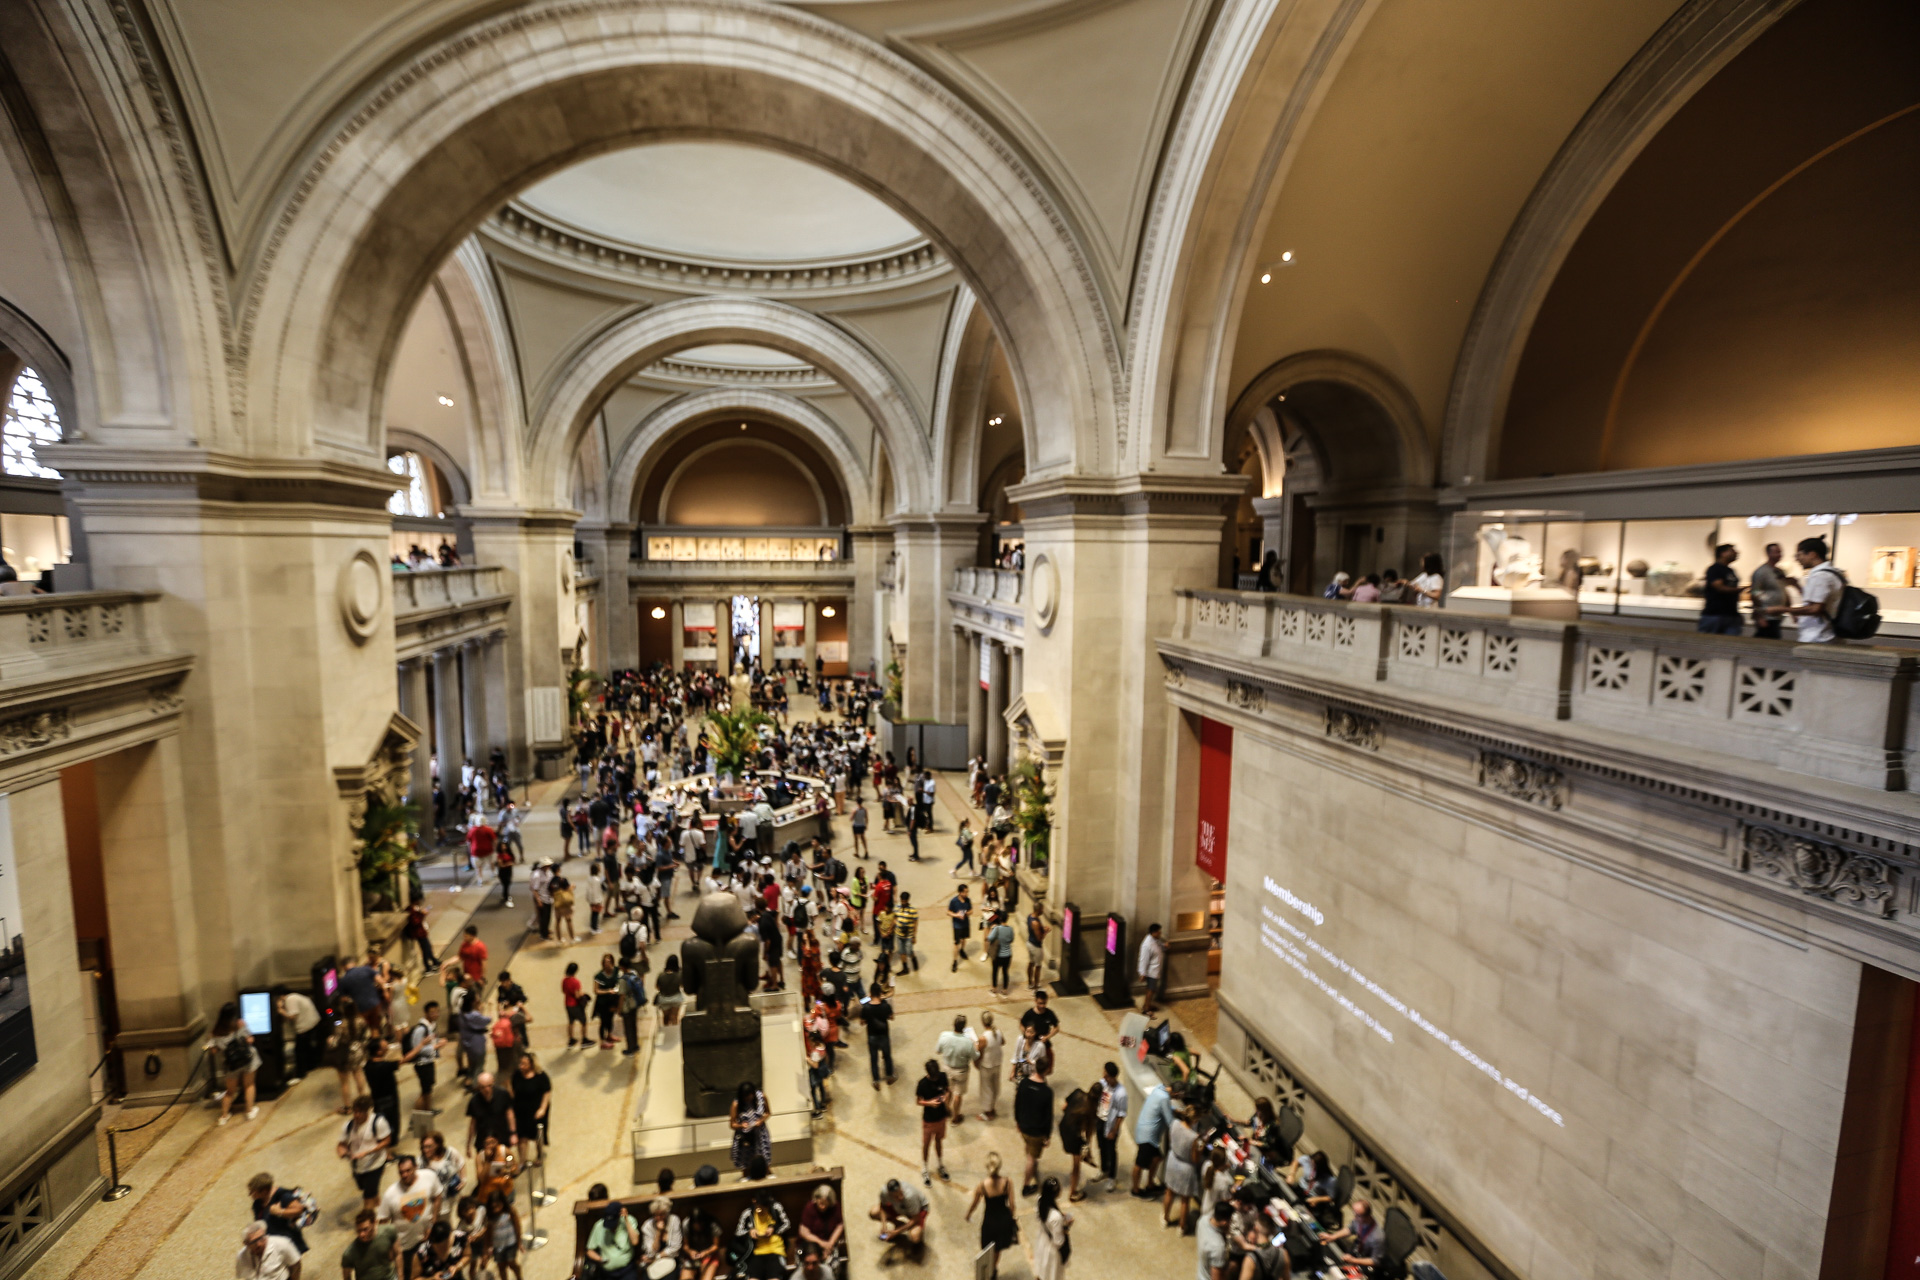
[1683,1069]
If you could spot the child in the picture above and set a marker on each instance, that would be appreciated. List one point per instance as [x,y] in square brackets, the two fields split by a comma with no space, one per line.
[503,1234]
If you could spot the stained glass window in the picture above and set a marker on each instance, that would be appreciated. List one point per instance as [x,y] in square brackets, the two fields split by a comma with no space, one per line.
[31,421]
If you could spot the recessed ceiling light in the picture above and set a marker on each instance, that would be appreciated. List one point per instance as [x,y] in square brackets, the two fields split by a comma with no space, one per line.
[826,611]
[743,426]
[1287,256]
[1266,277]
[658,612]
[446,402]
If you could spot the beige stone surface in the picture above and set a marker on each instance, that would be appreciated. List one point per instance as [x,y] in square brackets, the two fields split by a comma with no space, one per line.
[1697,1063]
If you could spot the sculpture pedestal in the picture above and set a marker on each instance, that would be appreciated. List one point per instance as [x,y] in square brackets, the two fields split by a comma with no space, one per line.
[664,1137]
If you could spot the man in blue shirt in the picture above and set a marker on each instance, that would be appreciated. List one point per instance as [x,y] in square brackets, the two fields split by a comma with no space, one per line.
[1149,1135]
[1112,1110]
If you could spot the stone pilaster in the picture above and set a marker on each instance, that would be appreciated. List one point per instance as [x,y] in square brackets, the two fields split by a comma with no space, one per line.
[996,709]
[274,573]
[976,700]
[415,706]
[866,641]
[1102,560]
[616,639]
[449,721]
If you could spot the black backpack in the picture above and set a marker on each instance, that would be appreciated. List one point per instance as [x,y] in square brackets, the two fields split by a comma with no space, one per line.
[1857,616]
[629,945]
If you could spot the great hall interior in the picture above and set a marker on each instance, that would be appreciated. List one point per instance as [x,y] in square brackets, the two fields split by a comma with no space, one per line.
[1418,502]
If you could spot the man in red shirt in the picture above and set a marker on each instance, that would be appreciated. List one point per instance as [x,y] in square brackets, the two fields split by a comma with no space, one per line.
[473,956]
[576,1002]
[503,858]
[883,882]
[480,840]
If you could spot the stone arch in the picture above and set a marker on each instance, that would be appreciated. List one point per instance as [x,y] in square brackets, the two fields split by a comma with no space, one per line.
[430,149]
[960,404]
[1687,52]
[636,457]
[1260,74]
[632,343]
[458,485]
[484,343]
[793,461]
[1381,443]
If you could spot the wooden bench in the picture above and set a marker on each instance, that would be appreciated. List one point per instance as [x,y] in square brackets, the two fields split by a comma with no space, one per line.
[725,1202]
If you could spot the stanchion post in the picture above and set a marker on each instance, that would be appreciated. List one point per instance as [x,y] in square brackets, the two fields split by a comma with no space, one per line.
[546,1195]
[536,1234]
[117,1189]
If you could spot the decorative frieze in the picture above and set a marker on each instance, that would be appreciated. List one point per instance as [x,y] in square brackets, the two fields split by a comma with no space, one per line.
[1821,870]
[1524,780]
[1176,675]
[30,732]
[1353,728]
[1248,697]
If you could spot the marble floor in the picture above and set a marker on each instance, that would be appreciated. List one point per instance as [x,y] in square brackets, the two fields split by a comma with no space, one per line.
[189,1204]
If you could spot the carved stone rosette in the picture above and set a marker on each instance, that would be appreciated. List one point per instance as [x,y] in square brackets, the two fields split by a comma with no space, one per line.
[1248,697]
[1821,870]
[1353,729]
[1524,780]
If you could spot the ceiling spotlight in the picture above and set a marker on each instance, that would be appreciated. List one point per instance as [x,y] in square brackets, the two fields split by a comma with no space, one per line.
[446,402]
[996,420]
[1266,277]
[1287,256]
[826,611]
[1266,272]
[743,426]
[658,612]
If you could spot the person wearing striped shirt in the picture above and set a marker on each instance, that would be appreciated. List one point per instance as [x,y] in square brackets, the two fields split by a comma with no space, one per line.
[906,925]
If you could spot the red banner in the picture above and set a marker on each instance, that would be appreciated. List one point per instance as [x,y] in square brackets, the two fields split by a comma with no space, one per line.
[1216,793]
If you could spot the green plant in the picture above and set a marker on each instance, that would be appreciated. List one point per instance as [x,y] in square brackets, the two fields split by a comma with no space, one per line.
[385,837]
[896,681]
[1033,811]
[580,686]
[732,738]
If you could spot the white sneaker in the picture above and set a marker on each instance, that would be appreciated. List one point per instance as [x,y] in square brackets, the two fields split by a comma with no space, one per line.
[253,1113]
[223,1120]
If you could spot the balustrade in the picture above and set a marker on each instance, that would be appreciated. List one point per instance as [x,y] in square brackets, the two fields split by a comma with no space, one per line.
[986,583]
[78,629]
[1837,711]
[425,589]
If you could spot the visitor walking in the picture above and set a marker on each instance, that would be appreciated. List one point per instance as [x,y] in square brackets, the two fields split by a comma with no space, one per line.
[999,1229]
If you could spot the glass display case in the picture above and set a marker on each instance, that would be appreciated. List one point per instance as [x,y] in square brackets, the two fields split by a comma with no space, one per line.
[1507,561]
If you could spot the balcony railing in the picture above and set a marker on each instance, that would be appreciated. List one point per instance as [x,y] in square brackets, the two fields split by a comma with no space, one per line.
[1002,585]
[79,629]
[428,589]
[1839,711]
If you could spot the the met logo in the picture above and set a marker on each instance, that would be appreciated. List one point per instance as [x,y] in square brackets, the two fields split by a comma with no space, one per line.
[1207,833]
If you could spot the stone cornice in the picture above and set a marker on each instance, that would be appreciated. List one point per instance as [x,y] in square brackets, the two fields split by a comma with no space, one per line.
[1203,497]
[97,473]
[579,250]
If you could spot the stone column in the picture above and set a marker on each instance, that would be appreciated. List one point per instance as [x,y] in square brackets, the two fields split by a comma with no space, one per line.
[1273,536]
[448,720]
[996,707]
[812,640]
[976,700]
[723,636]
[415,706]
[866,641]
[534,547]
[500,699]
[474,699]
[766,634]
[931,547]
[150,909]
[1016,672]
[615,636]
[677,619]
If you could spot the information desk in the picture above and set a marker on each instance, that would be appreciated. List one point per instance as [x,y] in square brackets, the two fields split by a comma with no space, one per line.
[725,1202]
[809,814]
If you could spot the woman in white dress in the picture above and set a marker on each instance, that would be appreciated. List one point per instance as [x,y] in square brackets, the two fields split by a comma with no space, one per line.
[1050,1243]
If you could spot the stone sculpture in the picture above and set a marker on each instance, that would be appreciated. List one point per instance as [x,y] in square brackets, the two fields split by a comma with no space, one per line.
[720,1036]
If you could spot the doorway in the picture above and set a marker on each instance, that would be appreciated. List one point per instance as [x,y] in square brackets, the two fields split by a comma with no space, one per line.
[746,632]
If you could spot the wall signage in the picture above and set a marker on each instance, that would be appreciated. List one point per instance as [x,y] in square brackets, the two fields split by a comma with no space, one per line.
[1216,794]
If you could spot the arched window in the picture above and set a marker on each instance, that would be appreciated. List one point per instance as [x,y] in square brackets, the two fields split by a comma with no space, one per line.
[31,421]
[412,500]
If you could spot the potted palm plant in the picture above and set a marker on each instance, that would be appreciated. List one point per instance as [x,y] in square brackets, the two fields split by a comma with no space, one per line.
[732,738]
[1033,812]
[386,854]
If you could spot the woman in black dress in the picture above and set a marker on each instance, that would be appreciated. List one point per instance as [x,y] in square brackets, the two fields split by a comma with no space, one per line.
[999,1229]
[532,1097]
[606,998]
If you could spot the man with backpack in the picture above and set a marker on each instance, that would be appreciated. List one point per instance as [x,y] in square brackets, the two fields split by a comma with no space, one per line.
[1830,609]
[633,998]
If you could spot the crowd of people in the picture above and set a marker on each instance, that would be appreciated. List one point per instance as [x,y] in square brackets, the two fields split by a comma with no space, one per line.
[838,931]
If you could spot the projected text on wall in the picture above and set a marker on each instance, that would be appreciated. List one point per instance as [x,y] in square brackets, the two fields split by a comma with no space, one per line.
[1300,951]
